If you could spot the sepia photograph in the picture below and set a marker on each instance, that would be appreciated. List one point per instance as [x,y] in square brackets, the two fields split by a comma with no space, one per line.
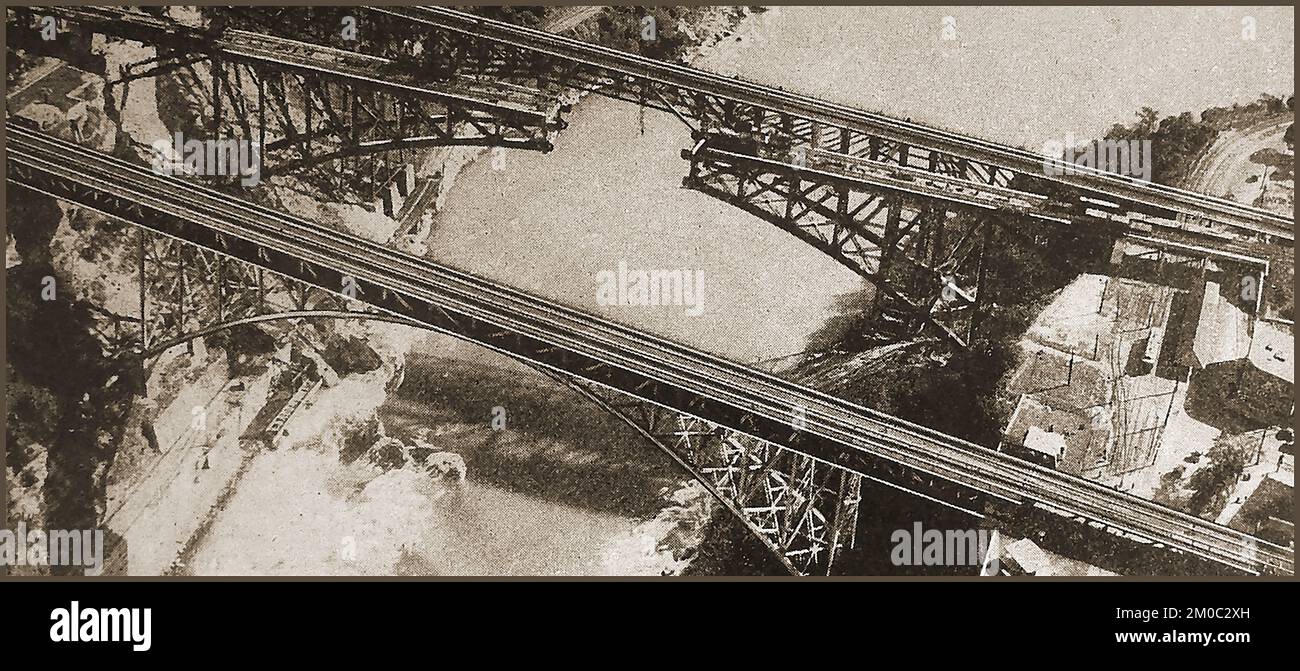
[918,292]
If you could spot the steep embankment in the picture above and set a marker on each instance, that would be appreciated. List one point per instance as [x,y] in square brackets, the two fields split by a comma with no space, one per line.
[66,398]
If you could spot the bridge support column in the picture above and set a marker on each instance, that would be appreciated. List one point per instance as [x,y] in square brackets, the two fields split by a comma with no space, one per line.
[914,251]
[802,510]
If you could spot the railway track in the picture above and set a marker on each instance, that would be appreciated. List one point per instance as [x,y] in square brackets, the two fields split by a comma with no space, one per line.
[614,65]
[859,430]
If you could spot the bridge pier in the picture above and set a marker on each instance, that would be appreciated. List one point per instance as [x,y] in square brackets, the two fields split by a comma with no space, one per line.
[340,120]
[803,511]
[917,254]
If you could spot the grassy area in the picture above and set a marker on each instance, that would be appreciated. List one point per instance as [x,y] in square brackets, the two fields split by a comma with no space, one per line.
[958,391]
[1206,492]
[1271,501]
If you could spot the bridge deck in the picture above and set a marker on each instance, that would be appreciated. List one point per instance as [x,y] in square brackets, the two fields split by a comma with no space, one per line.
[614,62]
[136,195]
[1143,197]
[378,73]
[345,67]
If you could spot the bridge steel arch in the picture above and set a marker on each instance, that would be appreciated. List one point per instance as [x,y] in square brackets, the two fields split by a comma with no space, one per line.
[835,433]
[876,194]
[776,118]
[161,347]
[803,512]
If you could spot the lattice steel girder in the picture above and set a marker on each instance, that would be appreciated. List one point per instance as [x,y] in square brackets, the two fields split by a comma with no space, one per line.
[306,105]
[804,512]
[718,102]
[704,110]
[922,255]
[305,116]
[470,327]
[478,311]
[784,481]
[184,288]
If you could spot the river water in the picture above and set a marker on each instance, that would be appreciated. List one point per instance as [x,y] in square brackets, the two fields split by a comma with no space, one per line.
[610,195]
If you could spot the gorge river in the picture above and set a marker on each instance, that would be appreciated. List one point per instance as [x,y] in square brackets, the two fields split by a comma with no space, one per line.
[610,195]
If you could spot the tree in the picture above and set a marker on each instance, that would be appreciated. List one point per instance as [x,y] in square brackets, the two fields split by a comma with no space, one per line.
[1147,121]
[1213,484]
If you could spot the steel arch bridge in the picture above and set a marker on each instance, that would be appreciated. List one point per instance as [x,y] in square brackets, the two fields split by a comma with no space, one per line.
[906,206]
[787,458]
[910,208]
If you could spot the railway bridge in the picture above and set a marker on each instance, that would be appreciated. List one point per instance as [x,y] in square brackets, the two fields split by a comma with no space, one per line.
[340,120]
[908,207]
[785,459]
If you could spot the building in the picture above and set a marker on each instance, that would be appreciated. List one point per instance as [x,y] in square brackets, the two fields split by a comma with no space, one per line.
[1070,440]
[1267,512]
[1222,328]
[1260,385]
[1241,362]
[1048,445]
[1024,557]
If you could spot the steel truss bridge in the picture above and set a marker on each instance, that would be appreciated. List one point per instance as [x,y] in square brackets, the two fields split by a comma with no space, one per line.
[788,460]
[906,206]
[326,115]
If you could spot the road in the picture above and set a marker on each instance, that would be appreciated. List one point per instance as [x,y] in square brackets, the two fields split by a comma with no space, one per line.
[174,494]
[1224,167]
[95,180]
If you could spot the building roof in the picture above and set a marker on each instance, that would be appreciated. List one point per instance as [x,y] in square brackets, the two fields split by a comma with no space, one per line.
[1272,349]
[1085,439]
[1037,561]
[1222,329]
[1047,442]
[1028,555]
[1267,511]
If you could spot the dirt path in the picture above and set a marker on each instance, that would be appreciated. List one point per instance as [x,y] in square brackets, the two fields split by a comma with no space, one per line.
[1226,166]
[164,509]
